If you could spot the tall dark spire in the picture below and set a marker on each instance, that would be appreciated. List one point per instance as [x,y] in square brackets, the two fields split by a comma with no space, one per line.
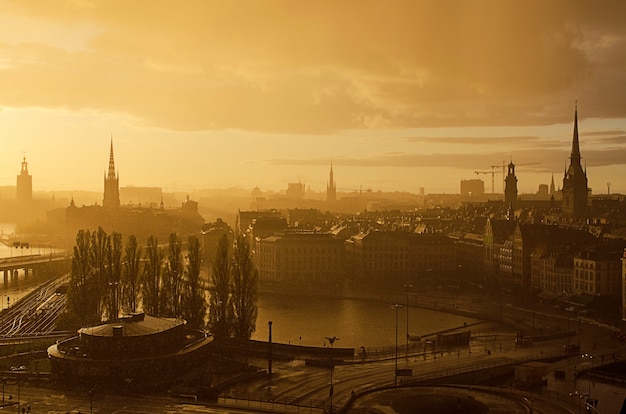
[111,173]
[111,184]
[575,184]
[331,187]
[575,156]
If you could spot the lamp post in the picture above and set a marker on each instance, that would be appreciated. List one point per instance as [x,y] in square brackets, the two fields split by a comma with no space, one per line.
[332,340]
[407,286]
[395,374]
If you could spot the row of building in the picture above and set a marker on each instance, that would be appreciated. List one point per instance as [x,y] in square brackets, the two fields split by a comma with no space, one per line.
[387,250]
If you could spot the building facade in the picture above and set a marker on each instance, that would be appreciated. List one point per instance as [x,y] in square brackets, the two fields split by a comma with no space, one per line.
[301,260]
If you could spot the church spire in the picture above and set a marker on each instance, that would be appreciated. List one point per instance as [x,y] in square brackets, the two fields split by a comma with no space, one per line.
[575,156]
[111,184]
[111,173]
[331,187]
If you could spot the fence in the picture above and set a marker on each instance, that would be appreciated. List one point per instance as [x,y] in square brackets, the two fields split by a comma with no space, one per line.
[266,401]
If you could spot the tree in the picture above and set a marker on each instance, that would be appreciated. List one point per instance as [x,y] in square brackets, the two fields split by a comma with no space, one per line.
[151,285]
[173,278]
[244,290]
[193,304]
[130,275]
[100,246]
[82,301]
[220,313]
[113,275]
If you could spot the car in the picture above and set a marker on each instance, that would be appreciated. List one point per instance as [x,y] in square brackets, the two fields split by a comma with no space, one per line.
[571,348]
[21,368]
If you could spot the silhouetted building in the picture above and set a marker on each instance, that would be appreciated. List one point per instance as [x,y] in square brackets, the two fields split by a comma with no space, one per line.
[111,184]
[306,260]
[142,222]
[210,237]
[575,190]
[24,185]
[389,258]
[295,191]
[134,351]
[510,189]
[472,188]
[331,187]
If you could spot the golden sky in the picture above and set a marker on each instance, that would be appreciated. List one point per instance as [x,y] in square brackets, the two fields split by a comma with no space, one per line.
[397,94]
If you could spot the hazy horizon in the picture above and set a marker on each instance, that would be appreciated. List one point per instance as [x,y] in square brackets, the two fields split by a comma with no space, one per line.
[207,95]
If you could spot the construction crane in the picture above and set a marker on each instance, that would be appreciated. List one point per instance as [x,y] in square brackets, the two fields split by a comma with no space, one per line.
[504,170]
[493,172]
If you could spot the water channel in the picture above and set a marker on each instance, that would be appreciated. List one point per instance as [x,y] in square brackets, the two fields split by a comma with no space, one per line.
[308,320]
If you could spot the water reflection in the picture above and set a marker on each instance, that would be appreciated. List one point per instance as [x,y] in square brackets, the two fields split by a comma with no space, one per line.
[307,320]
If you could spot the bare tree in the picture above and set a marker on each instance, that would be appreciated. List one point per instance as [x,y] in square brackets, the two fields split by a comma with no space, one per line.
[130,275]
[113,275]
[82,301]
[244,290]
[194,304]
[151,285]
[220,308]
[173,278]
[100,246]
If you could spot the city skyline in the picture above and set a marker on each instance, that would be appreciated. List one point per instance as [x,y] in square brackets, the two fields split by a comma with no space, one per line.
[212,95]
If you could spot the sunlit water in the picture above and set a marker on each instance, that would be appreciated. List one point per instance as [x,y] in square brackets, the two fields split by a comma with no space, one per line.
[308,320]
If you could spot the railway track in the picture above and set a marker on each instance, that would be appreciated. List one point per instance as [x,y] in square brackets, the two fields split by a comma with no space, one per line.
[36,313]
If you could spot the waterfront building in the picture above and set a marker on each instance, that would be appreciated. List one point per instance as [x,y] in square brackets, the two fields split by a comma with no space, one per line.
[552,271]
[528,237]
[392,257]
[597,272]
[300,260]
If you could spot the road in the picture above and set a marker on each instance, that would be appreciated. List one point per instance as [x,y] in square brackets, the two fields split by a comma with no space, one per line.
[294,383]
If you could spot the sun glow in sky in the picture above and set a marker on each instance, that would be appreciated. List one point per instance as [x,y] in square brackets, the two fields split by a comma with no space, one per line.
[398,95]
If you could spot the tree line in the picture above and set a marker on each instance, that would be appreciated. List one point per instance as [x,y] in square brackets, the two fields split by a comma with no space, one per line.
[108,279]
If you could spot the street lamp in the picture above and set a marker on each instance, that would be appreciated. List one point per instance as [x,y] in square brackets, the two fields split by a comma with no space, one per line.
[332,340]
[407,286]
[395,375]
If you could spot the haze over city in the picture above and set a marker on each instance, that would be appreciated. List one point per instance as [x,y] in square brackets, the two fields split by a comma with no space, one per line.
[238,94]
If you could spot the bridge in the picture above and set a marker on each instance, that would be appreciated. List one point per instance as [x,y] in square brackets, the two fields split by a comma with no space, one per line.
[31,264]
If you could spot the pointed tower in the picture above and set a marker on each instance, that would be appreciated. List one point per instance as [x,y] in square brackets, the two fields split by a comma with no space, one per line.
[510,189]
[552,189]
[575,189]
[24,184]
[331,187]
[111,184]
